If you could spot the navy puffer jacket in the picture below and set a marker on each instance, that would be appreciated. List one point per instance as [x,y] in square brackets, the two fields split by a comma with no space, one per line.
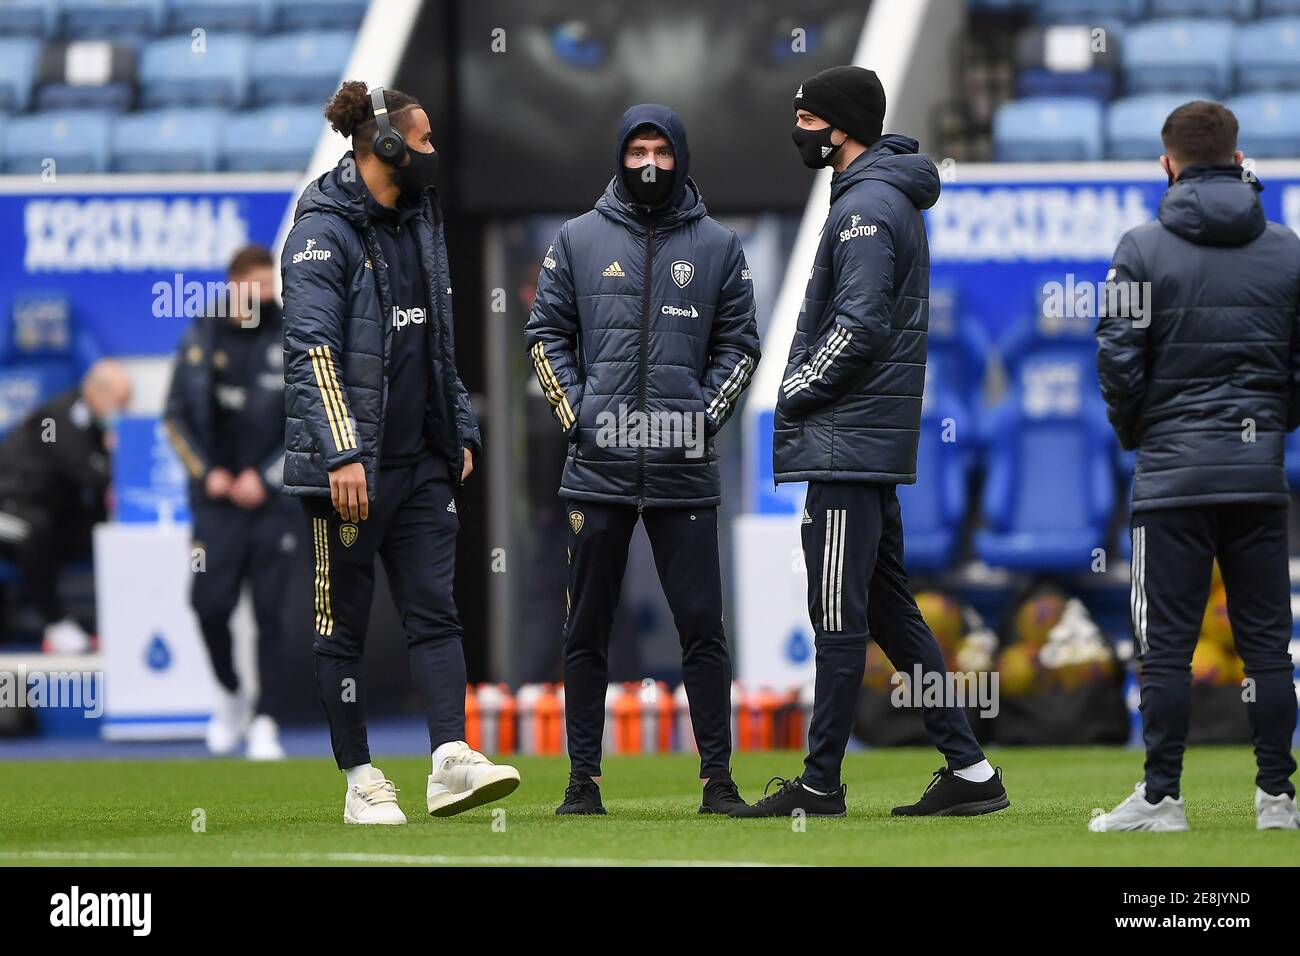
[1206,384]
[338,327]
[644,314]
[850,402]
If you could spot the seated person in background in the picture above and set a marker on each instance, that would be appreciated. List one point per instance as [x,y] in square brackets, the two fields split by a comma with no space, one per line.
[54,472]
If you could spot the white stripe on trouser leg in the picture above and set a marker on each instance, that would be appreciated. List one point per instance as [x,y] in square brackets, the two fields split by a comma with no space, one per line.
[839,571]
[827,538]
[833,570]
[1137,588]
[1142,606]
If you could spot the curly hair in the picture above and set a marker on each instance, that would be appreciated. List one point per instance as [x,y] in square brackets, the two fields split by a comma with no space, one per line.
[350,113]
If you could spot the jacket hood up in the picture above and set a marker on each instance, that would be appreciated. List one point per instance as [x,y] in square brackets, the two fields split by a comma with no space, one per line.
[1213,206]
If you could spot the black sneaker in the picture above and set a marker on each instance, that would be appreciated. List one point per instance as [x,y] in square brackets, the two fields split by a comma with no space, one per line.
[721,796]
[948,795]
[792,795]
[582,797]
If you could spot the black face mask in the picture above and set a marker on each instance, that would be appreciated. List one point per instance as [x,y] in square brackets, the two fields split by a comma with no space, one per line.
[815,146]
[648,184]
[419,174]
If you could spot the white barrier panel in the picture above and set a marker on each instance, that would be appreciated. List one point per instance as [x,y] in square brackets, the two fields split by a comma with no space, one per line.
[774,640]
[157,682]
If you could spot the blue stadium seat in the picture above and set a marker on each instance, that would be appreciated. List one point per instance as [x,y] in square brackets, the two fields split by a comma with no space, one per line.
[1293,460]
[1060,129]
[1057,320]
[18,59]
[42,351]
[87,74]
[29,18]
[1089,11]
[1064,60]
[1182,54]
[1270,124]
[23,387]
[77,140]
[320,14]
[1133,124]
[1239,9]
[172,73]
[273,138]
[1278,8]
[1050,488]
[962,347]
[934,509]
[167,141]
[39,327]
[1267,55]
[112,19]
[249,16]
[299,67]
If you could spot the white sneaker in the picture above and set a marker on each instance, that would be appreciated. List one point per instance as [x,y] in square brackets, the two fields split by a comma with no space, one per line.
[227,723]
[466,779]
[1134,813]
[264,739]
[1275,813]
[373,803]
[66,637]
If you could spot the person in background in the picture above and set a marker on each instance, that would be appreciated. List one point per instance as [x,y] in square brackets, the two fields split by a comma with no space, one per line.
[1199,361]
[225,418]
[54,474]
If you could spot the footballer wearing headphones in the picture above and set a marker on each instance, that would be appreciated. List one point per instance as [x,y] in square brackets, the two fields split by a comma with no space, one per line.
[380,436]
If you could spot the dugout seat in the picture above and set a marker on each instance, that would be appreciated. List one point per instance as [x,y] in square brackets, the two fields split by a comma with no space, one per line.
[42,352]
[934,509]
[1293,460]
[1049,493]
[963,347]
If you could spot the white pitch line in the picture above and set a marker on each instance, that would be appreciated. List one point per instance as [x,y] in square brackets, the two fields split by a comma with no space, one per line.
[405,859]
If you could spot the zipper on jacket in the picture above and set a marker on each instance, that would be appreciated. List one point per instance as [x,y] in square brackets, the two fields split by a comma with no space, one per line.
[645,345]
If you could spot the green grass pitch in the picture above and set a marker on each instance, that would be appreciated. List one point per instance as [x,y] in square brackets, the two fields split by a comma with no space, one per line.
[143,812]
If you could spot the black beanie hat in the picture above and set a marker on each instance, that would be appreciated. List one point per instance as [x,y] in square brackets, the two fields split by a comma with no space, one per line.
[849,98]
